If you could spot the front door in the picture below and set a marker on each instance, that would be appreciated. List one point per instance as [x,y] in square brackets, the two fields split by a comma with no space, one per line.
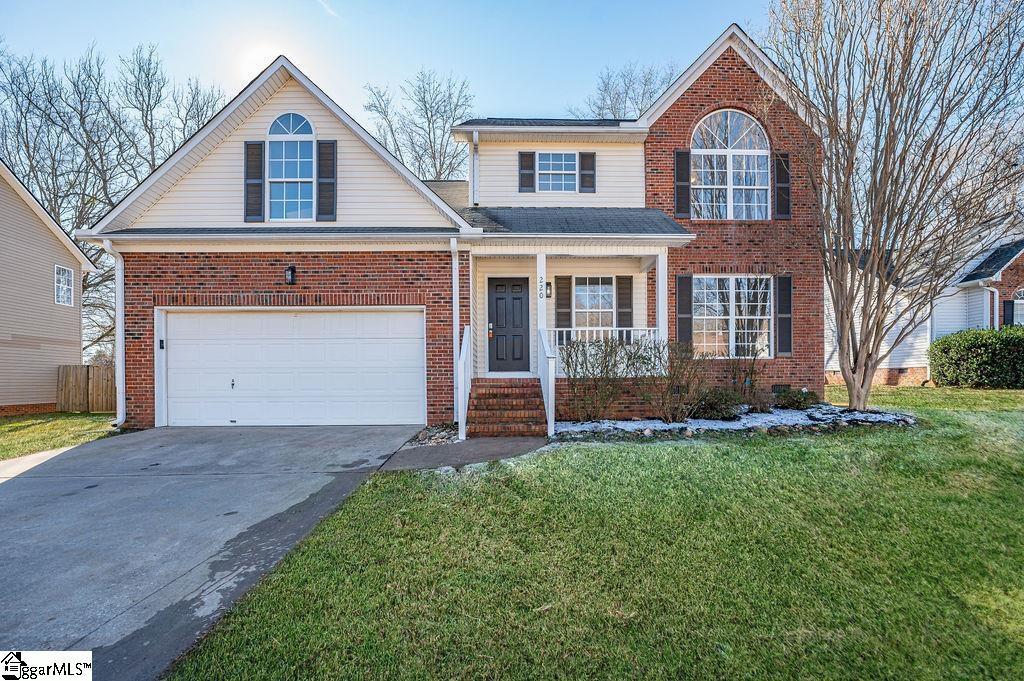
[508,324]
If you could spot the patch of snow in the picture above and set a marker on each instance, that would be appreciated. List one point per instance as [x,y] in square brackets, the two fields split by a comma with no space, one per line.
[818,415]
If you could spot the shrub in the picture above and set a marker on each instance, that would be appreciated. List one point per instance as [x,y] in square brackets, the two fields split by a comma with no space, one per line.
[979,358]
[718,404]
[594,371]
[668,377]
[787,398]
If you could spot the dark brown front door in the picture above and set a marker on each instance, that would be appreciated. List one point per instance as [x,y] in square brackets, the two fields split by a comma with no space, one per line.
[508,324]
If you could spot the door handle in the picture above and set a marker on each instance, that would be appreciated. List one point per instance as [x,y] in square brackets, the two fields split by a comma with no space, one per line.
[232,384]
[490,330]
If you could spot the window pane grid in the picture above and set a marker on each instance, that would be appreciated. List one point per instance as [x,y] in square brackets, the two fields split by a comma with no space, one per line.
[556,172]
[63,286]
[291,178]
[732,316]
[729,168]
[594,302]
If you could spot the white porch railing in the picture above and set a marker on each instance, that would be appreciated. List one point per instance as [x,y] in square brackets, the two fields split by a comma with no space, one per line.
[464,378]
[559,337]
[546,364]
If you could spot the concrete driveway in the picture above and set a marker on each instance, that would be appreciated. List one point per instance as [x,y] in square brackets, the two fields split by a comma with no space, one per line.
[133,545]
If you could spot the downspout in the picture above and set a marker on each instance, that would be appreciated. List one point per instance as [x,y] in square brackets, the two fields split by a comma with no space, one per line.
[456,318]
[931,339]
[118,331]
[474,171]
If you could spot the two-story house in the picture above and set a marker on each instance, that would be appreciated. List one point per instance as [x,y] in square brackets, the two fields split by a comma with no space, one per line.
[283,268]
[41,272]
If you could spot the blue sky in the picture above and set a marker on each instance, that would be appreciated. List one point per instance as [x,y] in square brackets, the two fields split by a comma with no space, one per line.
[522,59]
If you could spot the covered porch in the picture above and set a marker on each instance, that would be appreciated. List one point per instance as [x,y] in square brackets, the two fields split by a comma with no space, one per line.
[526,300]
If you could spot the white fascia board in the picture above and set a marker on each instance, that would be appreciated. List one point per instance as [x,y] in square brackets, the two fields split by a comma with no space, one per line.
[283,62]
[30,200]
[139,234]
[733,36]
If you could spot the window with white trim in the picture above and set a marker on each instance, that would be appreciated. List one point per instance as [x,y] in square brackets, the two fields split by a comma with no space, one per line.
[732,316]
[594,302]
[63,285]
[290,168]
[1018,307]
[729,168]
[556,172]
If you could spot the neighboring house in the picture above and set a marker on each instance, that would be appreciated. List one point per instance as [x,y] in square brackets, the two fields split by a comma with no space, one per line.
[988,294]
[283,268]
[40,307]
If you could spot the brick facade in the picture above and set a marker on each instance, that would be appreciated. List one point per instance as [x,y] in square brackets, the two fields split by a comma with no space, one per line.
[740,247]
[913,376]
[323,279]
[1011,281]
[26,409]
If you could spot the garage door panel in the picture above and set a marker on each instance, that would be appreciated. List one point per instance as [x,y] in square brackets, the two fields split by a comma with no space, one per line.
[295,368]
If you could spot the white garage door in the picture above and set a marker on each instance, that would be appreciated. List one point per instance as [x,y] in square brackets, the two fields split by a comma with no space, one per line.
[295,368]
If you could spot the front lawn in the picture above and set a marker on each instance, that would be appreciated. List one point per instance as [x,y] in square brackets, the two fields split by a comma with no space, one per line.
[860,554]
[21,435]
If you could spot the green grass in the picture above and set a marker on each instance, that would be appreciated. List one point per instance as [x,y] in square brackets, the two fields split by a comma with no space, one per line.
[861,554]
[21,435]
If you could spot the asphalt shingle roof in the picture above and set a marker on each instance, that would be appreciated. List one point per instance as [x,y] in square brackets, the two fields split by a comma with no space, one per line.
[994,263]
[572,221]
[547,122]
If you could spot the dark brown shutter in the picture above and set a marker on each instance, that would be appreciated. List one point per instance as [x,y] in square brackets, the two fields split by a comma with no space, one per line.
[784,316]
[624,302]
[527,170]
[563,302]
[682,182]
[254,182]
[1008,313]
[326,181]
[783,211]
[588,172]
[684,308]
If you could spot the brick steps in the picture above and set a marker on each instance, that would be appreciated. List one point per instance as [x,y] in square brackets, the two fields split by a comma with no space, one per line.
[506,407]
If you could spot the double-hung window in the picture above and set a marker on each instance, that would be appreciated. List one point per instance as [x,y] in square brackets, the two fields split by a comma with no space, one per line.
[729,168]
[290,168]
[63,285]
[594,302]
[556,172]
[732,316]
[1018,307]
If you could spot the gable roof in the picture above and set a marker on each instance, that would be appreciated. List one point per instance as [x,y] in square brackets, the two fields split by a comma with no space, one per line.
[742,44]
[254,95]
[32,202]
[995,262]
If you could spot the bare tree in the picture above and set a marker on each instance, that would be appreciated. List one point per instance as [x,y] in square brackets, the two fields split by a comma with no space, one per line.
[626,92]
[915,145]
[81,137]
[417,129]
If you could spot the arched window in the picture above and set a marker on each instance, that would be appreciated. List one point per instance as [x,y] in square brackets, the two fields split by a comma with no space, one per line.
[290,168]
[729,168]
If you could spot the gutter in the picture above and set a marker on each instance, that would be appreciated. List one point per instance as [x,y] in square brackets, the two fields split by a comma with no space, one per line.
[241,235]
[119,355]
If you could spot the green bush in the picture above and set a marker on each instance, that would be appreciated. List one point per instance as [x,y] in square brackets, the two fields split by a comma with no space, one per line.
[979,358]
[787,398]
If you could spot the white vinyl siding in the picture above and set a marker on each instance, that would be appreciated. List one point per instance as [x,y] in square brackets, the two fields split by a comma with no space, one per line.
[370,193]
[619,174]
[36,335]
[978,312]
[913,352]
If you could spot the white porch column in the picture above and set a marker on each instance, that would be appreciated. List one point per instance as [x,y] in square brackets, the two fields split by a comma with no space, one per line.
[661,295]
[542,301]
[456,326]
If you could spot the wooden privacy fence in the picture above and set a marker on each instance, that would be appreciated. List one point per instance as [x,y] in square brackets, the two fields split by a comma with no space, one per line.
[85,388]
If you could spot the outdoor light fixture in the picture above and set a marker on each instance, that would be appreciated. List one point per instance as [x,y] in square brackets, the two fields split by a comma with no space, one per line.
[289,275]
[547,289]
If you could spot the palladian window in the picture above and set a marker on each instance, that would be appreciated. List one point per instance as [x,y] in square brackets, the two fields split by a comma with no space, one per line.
[729,168]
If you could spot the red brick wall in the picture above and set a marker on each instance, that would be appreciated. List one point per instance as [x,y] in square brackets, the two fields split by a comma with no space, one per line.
[900,376]
[1012,280]
[24,409]
[733,247]
[323,279]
